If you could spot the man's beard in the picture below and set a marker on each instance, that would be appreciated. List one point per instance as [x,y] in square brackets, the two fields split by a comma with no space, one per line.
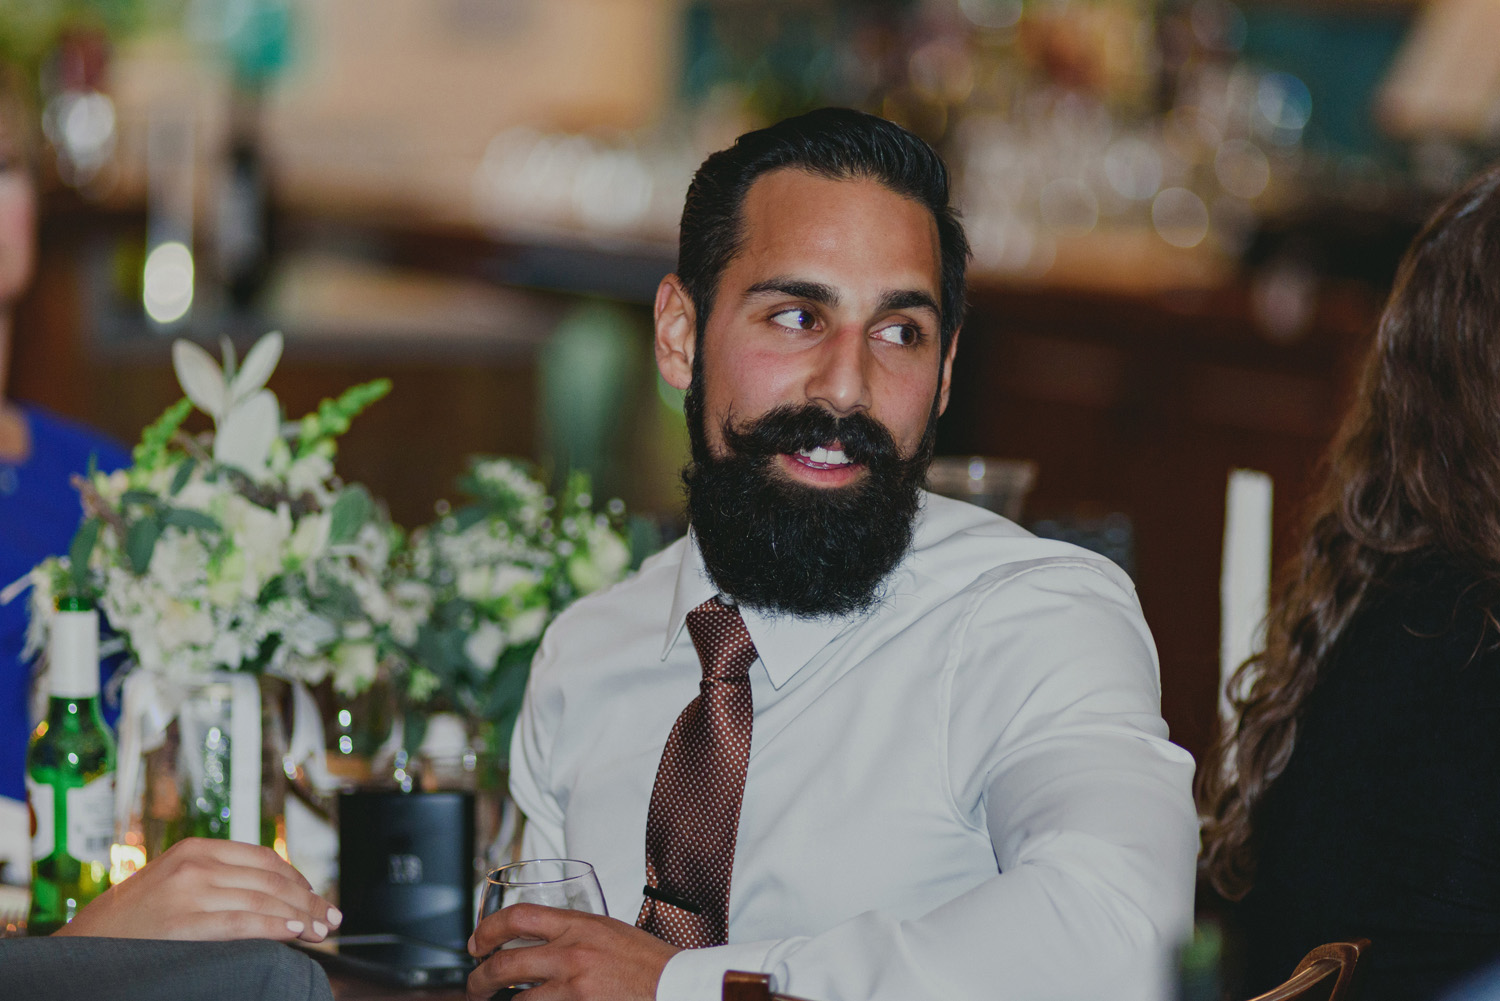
[781,546]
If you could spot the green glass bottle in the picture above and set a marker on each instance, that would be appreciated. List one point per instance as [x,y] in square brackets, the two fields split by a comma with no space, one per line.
[70,776]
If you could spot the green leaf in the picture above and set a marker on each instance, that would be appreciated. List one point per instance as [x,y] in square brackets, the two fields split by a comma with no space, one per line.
[337,601]
[414,730]
[350,512]
[181,477]
[79,551]
[144,498]
[189,520]
[466,518]
[140,544]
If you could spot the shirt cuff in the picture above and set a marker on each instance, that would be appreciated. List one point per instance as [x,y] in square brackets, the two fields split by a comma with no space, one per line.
[698,974]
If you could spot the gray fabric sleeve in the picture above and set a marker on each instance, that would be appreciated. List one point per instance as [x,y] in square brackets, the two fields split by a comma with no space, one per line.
[67,968]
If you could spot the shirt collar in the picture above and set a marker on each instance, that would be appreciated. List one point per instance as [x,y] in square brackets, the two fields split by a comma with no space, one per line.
[784,643]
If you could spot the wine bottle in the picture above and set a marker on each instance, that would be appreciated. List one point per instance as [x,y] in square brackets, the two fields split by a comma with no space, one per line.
[70,776]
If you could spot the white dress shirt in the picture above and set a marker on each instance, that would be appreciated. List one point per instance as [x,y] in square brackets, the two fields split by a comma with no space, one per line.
[966,793]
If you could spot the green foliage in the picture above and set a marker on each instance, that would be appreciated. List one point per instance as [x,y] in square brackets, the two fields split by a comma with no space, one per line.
[499,569]
[80,550]
[151,453]
[332,417]
[350,512]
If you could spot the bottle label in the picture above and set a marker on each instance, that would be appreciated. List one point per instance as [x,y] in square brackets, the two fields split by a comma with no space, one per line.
[43,837]
[91,819]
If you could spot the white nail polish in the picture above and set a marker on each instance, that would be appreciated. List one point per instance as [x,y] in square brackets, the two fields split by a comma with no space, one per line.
[295,927]
[320,928]
[335,917]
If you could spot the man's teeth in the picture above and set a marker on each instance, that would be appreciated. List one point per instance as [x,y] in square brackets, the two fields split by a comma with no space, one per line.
[825,456]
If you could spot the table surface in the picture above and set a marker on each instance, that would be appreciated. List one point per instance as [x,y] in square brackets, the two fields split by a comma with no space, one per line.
[351,988]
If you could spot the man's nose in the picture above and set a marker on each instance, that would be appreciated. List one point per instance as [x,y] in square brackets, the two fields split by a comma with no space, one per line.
[839,379]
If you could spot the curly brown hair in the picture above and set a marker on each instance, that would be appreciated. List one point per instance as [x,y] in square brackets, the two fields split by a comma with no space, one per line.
[1415,468]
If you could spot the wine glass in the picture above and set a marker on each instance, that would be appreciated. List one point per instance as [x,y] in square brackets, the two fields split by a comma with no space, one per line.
[553,882]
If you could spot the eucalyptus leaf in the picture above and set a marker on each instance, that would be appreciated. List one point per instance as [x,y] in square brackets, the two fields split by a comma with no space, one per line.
[190,520]
[466,518]
[142,497]
[350,512]
[414,730]
[140,544]
[181,477]
[80,549]
[336,600]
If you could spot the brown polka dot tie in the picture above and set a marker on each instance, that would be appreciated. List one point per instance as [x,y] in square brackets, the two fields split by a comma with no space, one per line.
[695,805]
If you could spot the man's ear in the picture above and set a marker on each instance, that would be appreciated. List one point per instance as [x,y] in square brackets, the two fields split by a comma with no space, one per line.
[676,332]
[945,376]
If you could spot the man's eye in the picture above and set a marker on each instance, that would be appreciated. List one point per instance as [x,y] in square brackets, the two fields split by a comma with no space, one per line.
[795,319]
[904,334]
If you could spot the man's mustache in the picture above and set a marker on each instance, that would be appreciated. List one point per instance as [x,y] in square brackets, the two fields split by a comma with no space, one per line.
[792,428]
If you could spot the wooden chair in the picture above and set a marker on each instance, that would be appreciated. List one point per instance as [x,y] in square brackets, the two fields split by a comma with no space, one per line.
[1309,979]
[741,986]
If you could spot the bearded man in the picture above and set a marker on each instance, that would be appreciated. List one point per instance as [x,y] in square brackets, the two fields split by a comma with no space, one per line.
[873,742]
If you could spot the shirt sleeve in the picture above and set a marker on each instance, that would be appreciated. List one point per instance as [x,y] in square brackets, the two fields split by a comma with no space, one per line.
[1056,748]
[530,748]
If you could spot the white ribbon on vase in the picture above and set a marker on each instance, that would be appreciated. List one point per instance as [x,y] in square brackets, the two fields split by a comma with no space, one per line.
[149,705]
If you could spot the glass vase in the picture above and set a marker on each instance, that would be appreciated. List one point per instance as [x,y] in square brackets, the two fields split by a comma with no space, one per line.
[190,780]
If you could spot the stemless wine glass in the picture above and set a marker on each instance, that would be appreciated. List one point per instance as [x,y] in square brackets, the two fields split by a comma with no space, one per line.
[552,882]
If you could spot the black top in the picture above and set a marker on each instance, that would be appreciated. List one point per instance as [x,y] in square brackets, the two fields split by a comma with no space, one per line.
[1386,823]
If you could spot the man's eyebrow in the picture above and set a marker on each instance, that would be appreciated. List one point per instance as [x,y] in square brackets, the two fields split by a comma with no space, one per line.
[795,288]
[909,299]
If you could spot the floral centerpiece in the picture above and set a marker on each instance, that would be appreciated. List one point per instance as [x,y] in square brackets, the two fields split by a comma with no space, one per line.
[219,558]
[490,576]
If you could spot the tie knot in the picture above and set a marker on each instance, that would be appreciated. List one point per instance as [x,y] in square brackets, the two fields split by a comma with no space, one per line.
[723,643]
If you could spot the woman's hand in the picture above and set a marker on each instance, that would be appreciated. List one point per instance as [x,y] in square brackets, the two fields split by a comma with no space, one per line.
[206,889]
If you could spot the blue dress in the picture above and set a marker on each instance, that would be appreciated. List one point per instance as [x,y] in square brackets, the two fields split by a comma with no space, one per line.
[39,512]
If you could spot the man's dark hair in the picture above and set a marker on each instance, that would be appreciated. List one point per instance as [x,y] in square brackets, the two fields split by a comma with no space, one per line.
[837,143]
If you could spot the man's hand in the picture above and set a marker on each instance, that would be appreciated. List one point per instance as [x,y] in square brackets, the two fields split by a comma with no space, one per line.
[210,890]
[583,957]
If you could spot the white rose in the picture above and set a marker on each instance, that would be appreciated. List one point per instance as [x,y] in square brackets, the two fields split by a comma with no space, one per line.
[527,626]
[484,645]
[474,583]
[510,579]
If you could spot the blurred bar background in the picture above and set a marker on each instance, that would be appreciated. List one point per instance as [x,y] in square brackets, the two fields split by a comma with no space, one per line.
[1185,216]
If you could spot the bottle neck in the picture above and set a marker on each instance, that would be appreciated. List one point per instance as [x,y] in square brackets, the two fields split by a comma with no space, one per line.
[73,713]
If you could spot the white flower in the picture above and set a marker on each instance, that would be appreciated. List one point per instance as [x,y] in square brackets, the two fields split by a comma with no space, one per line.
[260,535]
[309,475]
[474,583]
[601,563]
[411,604]
[484,645]
[183,625]
[111,485]
[310,538]
[309,634]
[246,417]
[354,667]
[527,626]
[180,561]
